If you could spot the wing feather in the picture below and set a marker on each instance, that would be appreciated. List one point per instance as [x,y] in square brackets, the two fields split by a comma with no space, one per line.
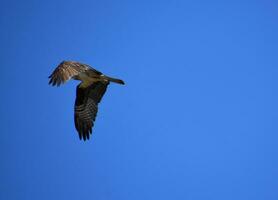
[86,107]
[67,70]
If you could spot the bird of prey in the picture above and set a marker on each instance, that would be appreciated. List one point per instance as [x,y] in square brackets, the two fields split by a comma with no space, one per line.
[88,93]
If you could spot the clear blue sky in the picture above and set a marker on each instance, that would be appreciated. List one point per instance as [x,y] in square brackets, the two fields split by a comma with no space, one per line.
[196,120]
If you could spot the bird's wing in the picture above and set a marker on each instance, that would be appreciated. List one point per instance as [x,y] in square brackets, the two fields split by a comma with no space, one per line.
[68,69]
[86,107]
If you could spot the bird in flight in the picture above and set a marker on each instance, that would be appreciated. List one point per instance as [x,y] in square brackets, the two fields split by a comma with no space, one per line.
[88,93]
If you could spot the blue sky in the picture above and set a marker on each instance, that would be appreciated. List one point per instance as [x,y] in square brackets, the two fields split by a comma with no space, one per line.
[197,118]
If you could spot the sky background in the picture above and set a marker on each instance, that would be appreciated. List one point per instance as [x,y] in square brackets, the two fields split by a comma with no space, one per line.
[196,120]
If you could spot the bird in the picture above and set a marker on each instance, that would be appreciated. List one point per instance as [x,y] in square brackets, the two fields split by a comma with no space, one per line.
[88,93]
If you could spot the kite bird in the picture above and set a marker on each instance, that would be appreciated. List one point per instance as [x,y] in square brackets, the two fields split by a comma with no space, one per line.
[88,93]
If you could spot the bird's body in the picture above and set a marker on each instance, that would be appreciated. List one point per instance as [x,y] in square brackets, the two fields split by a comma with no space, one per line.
[87,79]
[88,93]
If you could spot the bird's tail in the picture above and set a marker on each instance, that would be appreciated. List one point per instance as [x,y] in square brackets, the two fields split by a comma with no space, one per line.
[115,80]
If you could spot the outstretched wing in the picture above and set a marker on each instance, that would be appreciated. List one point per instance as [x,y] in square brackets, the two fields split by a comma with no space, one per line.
[86,107]
[67,70]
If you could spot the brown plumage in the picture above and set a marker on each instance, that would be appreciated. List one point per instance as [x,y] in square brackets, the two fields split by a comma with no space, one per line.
[88,93]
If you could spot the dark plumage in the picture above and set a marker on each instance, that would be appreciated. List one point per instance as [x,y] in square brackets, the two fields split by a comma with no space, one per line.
[88,93]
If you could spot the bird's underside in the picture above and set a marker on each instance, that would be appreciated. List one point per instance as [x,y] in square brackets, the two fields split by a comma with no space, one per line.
[88,93]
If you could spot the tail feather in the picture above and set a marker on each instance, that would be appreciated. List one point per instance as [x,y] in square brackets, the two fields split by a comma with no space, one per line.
[115,80]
